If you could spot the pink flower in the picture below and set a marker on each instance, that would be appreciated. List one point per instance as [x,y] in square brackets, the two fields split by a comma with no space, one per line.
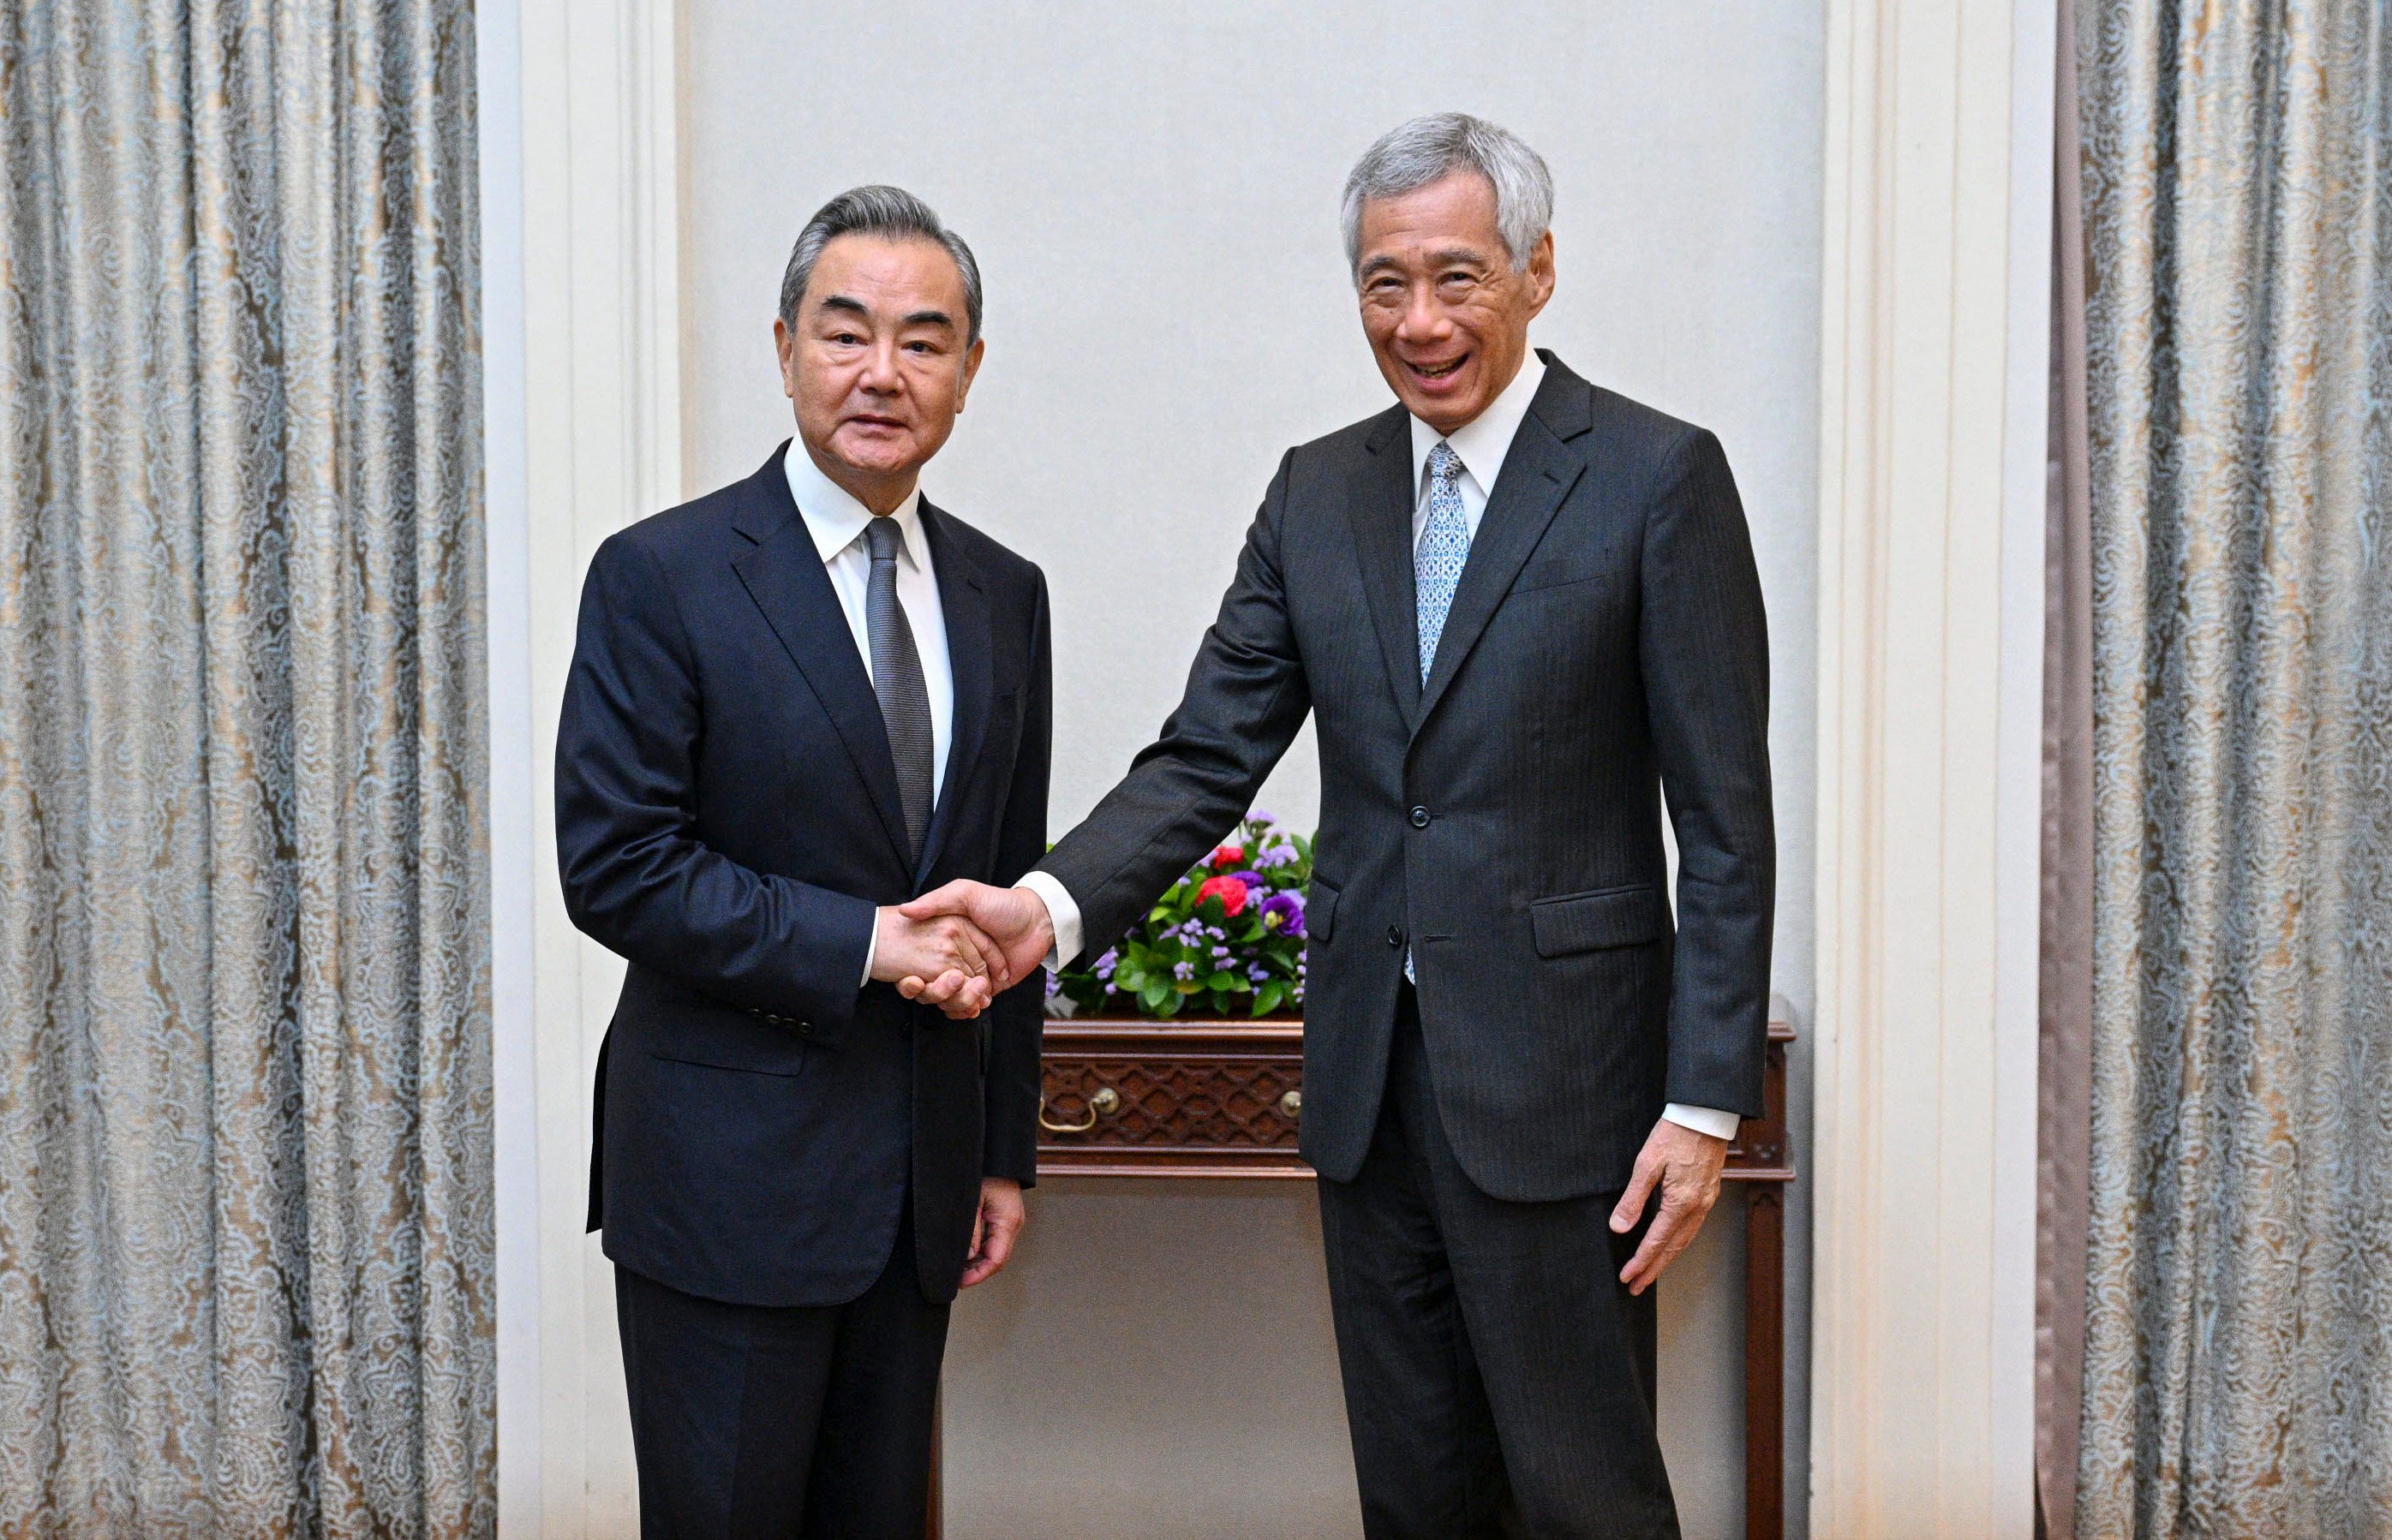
[1229,856]
[1230,890]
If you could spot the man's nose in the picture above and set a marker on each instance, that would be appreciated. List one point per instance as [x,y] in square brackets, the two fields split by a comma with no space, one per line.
[882,374]
[1424,319]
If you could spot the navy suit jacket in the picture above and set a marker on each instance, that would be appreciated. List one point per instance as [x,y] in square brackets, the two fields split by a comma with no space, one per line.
[727,819]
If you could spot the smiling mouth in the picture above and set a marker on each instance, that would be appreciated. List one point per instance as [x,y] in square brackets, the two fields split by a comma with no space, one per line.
[1437,371]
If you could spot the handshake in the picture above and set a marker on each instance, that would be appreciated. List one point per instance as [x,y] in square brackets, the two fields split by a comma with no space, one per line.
[957,947]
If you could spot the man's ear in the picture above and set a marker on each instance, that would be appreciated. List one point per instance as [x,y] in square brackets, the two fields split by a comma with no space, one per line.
[972,356]
[1540,270]
[785,347]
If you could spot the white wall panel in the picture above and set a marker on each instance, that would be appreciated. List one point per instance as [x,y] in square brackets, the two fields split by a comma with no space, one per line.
[1934,400]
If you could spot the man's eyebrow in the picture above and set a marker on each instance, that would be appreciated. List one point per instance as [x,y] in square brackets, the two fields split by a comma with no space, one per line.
[1444,256]
[930,317]
[840,302]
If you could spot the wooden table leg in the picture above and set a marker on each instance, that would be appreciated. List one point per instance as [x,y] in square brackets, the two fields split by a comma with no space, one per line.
[1764,1362]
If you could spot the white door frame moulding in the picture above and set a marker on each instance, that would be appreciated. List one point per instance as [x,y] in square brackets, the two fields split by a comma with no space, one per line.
[1934,353]
[581,337]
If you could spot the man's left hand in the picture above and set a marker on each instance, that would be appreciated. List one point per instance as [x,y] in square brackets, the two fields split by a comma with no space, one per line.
[995,1229]
[1686,1165]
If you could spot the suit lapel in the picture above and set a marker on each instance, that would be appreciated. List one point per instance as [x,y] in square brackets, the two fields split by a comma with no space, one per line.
[1380,512]
[963,599]
[1538,473]
[784,574]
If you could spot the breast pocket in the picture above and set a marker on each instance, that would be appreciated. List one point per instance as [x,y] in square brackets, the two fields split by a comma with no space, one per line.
[1592,579]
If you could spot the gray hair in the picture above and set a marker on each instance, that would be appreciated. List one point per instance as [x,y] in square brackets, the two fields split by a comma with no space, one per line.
[1428,149]
[890,212]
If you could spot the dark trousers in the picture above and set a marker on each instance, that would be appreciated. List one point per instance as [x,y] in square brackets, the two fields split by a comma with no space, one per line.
[1499,1379]
[799,1423]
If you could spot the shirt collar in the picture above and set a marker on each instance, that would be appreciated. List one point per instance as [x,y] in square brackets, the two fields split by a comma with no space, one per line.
[1484,440]
[833,516]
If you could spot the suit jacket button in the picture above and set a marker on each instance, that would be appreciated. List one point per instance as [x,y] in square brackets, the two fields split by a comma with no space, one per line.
[1395,935]
[1420,818]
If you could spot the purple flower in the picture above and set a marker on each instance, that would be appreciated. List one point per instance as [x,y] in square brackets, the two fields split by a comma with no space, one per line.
[1107,964]
[1256,973]
[1184,972]
[1284,913]
[1252,879]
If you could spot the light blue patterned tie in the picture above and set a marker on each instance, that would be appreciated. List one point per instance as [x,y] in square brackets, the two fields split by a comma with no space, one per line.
[1437,565]
[1444,547]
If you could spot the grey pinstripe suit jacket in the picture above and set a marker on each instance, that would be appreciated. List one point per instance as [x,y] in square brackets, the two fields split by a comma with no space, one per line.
[1606,650]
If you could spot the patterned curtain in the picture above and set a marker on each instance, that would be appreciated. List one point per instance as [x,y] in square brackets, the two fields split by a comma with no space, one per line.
[2238,211]
[245,1211]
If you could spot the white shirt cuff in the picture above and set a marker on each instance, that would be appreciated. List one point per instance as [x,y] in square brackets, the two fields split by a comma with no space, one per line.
[1703,1120]
[871,950]
[1062,912]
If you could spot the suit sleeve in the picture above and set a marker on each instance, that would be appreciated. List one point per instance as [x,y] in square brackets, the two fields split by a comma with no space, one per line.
[1246,696]
[637,878]
[1017,1021]
[1704,651]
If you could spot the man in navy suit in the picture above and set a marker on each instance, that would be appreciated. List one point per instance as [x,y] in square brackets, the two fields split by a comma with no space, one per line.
[795,704]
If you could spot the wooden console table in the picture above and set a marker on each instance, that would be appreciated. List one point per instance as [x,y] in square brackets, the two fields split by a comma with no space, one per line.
[1222,1098]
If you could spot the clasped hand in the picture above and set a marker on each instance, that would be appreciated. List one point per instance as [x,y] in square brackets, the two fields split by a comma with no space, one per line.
[961,946]
[942,958]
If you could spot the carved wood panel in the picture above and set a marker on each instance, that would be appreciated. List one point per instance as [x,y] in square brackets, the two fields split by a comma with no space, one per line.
[1178,1098]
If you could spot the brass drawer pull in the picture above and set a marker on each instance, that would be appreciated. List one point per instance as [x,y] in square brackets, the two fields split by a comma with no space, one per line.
[1104,1103]
[1291,1106]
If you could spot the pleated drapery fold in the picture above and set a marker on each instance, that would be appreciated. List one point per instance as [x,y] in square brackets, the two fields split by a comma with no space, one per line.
[246,1264]
[2066,981]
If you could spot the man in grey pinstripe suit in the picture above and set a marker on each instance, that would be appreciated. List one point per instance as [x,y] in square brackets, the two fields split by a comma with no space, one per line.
[1525,613]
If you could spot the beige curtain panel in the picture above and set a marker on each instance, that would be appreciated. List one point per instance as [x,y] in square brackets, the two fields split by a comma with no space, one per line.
[2238,244]
[245,1212]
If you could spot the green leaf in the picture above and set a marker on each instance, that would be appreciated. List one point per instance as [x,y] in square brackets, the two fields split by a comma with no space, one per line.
[1154,993]
[1225,979]
[1267,1000]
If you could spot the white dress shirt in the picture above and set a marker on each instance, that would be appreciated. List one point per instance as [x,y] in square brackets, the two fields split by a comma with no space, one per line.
[836,521]
[1481,444]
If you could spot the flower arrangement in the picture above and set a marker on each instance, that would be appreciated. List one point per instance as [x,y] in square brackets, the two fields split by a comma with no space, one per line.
[1227,939]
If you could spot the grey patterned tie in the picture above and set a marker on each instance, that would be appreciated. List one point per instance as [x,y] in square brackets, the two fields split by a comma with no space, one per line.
[897,679]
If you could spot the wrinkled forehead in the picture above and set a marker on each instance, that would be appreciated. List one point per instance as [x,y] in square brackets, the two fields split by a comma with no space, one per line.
[886,276]
[1450,218]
